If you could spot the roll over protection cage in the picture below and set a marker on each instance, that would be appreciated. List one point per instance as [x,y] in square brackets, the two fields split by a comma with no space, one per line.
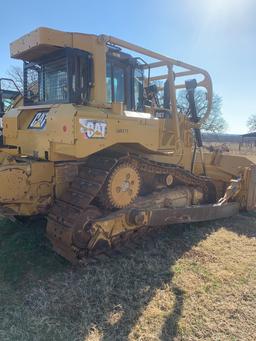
[45,40]
[189,70]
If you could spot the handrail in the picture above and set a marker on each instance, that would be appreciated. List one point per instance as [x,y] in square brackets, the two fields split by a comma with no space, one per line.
[12,81]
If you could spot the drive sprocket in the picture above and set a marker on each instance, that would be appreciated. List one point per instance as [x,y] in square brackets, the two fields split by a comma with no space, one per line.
[122,186]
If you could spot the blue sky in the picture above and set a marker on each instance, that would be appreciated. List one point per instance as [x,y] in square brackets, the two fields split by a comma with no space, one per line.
[218,35]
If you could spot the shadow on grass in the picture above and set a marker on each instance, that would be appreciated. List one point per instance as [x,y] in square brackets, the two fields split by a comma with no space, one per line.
[72,302]
[243,224]
[25,251]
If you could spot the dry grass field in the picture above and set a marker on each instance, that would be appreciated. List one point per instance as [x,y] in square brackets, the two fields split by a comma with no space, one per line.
[248,150]
[194,282]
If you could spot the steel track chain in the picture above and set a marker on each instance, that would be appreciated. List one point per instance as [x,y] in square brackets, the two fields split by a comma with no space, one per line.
[73,210]
[181,175]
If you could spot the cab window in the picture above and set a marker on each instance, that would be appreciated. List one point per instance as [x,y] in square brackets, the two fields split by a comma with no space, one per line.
[138,89]
[115,82]
[118,80]
[124,82]
[109,83]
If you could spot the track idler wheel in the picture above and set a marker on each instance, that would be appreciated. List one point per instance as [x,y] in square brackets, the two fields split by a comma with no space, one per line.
[81,233]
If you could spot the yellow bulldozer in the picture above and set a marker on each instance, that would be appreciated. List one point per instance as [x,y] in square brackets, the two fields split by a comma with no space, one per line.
[101,148]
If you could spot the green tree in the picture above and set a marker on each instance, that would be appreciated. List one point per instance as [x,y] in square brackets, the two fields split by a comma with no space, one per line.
[251,123]
[215,123]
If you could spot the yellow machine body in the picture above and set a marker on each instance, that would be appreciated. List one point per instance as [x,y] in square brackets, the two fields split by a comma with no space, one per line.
[60,156]
[65,134]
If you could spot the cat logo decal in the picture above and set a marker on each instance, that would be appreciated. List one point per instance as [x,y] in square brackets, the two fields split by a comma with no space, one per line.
[39,120]
[93,129]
